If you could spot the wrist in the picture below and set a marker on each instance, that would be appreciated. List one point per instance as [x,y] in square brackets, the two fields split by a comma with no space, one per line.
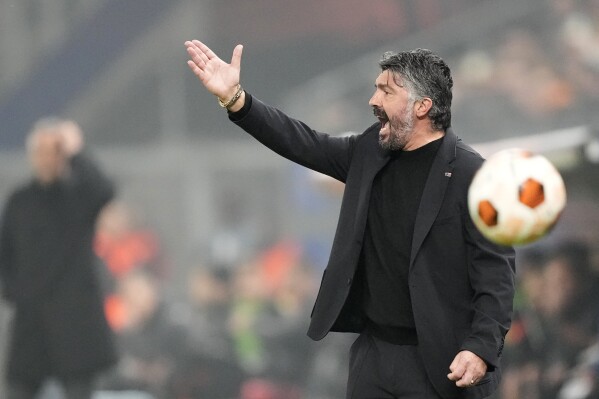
[238,105]
[231,99]
[227,94]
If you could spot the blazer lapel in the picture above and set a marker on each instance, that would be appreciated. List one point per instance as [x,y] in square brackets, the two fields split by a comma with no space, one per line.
[434,191]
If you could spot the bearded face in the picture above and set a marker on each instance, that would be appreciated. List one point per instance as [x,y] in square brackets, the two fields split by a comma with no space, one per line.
[393,105]
[396,128]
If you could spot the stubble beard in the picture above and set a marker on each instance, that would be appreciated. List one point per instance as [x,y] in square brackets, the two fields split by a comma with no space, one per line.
[401,130]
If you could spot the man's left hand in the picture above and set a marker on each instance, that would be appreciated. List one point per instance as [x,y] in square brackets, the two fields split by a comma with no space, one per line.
[72,138]
[467,369]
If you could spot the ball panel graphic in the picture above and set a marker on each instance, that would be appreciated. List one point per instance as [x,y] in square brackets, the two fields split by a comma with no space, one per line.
[487,213]
[532,193]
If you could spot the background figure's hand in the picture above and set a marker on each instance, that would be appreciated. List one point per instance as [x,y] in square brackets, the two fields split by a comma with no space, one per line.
[467,369]
[219,78]
[72,138]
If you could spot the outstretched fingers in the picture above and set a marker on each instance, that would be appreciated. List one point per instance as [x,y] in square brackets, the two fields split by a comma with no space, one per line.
[196,55]
[220,78]
[204,49]
[195,69]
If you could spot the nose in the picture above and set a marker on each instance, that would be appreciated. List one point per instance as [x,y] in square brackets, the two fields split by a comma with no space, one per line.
[374,100]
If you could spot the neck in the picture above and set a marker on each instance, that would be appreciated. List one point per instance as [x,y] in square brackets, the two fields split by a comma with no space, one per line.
[422,138]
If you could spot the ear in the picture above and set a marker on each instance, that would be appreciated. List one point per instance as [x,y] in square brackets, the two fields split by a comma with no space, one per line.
[423,106]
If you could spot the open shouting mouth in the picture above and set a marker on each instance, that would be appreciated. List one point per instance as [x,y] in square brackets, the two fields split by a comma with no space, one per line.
[381,115]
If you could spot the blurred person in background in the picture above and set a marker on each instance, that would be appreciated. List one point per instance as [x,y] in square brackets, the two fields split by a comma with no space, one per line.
[124,245]
[576,33]
[211,368]
[209,298]
[430,297]
[151,343]
[554,335]
[525,340]
[271,301]
[569,311]
[47,267]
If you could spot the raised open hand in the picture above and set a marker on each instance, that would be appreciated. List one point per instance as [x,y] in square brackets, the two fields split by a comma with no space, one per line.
[72,137]
[219,78]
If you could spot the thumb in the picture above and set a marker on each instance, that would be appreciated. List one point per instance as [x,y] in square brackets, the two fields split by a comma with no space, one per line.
[455,371]
[236,58]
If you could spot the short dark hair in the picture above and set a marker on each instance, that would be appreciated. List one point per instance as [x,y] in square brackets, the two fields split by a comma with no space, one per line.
[424,74]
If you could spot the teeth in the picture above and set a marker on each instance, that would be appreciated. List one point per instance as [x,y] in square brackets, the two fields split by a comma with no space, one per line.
[384,127]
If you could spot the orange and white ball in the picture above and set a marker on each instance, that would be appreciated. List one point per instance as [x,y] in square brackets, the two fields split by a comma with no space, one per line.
[516,197]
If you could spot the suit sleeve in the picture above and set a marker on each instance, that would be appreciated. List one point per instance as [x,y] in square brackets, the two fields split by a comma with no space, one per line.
[6,252]
[294,140]
[92,183]
[491,271]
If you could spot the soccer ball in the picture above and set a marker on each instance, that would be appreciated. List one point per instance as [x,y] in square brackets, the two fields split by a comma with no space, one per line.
[516,197]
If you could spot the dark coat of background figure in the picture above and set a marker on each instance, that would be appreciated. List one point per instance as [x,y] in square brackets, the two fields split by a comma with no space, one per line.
[461,285]
[48,273]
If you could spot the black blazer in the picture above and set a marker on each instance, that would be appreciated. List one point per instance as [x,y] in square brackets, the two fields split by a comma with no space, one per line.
[461,285]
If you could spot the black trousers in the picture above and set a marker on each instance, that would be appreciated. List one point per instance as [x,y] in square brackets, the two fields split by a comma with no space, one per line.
[380,370]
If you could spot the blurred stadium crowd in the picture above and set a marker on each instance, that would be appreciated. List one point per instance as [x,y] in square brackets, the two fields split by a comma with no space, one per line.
[227,318]
[543,74]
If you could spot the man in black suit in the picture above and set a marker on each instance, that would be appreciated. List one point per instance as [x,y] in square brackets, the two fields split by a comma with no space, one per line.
[430,297]
[48,269]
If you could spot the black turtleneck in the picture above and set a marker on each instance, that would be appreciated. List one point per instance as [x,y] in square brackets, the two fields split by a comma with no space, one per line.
[394,201]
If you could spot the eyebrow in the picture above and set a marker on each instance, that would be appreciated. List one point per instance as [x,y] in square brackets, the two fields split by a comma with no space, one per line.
[386,86]
[382,85]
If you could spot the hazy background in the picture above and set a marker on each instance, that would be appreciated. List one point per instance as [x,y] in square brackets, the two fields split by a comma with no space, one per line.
[526,74]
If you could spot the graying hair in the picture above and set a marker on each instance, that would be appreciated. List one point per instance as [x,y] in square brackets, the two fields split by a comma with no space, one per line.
[423,74]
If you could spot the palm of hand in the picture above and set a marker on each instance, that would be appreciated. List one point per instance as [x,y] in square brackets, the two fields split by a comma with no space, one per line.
[219,76]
